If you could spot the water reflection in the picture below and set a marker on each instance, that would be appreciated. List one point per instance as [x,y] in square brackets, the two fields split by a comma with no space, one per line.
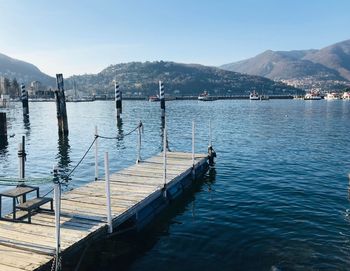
[120,134]
[62,157]
[162,135]
[3,145]
[26,124]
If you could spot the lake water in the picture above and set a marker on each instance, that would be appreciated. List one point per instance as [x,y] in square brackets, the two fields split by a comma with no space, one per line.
[276,199]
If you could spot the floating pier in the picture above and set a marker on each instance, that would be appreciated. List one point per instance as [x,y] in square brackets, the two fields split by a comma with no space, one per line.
[137,194]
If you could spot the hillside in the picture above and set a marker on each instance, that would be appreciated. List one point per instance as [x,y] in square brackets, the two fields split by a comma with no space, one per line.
[180,79]
[22,71]
[327,67]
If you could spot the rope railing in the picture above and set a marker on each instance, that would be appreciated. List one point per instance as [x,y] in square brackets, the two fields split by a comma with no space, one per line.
[67,176]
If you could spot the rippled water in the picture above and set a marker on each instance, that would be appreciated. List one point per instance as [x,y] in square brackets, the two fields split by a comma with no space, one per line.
[277,198]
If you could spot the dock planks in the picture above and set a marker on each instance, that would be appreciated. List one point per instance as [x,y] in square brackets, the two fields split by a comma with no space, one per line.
[26,246]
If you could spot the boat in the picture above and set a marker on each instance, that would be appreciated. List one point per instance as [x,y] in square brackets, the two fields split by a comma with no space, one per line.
[313,95]
[346,96]
[298,97]
[264,97]
[254,96]
[206,97]
[332,96]
[153,98]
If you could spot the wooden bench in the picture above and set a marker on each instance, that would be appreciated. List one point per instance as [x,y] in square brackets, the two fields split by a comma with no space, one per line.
[34,205]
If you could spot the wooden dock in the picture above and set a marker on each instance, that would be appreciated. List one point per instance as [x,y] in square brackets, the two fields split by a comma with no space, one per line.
[137,195]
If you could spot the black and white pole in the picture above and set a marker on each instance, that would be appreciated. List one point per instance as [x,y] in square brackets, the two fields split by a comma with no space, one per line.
[162,98]
[210,136]
[108,195]
[21,158]
[57,199]
[24,98]
[96,154]
[61,106]
[118,100]
[139,131]
[165,160]
[193,138]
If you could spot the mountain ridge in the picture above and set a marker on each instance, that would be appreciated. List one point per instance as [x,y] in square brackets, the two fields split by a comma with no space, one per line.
[331,63]
[23,71]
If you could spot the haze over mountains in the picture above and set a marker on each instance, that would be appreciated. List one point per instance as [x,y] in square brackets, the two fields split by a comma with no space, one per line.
[141,78]
[23,71]
[328,67]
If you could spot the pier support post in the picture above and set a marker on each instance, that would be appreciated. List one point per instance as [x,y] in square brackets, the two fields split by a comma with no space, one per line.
[3,128]
[57,199]
[118,100]
[61,106]
[24,98]
[96,154]
[139,131]
[108,195]
[21,158]
[162,98]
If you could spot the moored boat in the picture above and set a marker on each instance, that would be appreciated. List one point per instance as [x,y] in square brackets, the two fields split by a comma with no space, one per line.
[346,96]
[264,97]
[153,99]
[332,96]
[254,96]
[313,95]
[206,97]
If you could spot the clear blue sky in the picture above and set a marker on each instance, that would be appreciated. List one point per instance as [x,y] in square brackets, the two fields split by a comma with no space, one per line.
[77,37]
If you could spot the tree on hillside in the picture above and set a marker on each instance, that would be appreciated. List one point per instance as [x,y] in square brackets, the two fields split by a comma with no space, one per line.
[7,85]
[15,89]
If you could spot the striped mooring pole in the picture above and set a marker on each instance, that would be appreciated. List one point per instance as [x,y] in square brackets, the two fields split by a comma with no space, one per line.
[118,100]
[162,98]
[24,98]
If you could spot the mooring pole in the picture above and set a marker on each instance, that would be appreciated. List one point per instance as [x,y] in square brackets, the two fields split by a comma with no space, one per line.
[193,131]
[24,98]
[57,199]
[118,100]
[139,130]
[21,158]
[162,98]
[3,126]
[96,154]
[108,195]
[61,106]
[210,133]
[164,157]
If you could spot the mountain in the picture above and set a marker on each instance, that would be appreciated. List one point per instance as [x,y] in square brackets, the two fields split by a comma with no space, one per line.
[23,71]
[327,67]
[335,57]
[141,78]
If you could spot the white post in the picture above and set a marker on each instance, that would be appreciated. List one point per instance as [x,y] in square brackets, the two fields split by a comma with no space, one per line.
[57,197]
[138,160]
[164,155]
[209,132]
[108,195]
[193,127]
[96,154]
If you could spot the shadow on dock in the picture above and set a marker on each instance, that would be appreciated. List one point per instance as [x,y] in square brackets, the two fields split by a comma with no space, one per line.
[122,250]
